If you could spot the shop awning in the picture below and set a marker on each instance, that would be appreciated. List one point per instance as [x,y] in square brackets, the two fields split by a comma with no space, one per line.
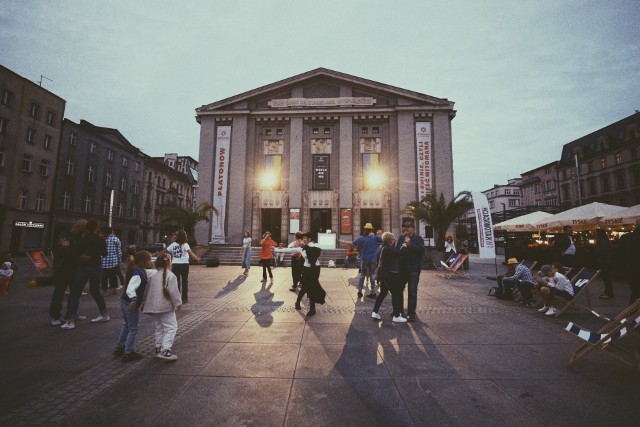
[626,216]
[522,223]
[585,215]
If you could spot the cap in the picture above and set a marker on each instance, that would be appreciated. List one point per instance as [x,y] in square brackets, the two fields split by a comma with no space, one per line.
[512,261]
[408,224]
[368,226]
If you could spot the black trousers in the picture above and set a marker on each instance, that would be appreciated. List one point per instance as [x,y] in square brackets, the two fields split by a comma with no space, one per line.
[62,279]
[309,278]
[266,266]
[182,273]
[110,277]
[391,282]
[297,264]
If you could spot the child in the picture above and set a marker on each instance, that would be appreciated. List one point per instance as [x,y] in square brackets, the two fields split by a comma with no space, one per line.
[161,300]
[5,277]
[140,269]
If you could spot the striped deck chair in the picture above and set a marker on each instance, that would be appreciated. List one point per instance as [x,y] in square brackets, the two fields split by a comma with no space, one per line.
[444,265]
[581,282]
[608,339]
[456,267]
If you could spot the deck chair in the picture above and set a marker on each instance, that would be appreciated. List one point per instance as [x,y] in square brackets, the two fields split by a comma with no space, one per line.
[456,267]
[608,339]
[581,282]
[530,265]
[444,265]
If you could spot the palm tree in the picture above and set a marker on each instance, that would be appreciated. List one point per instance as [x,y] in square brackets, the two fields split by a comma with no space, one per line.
[438,213]
[187,218]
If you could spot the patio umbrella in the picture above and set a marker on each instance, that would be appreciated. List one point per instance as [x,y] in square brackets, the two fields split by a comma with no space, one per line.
[582,215]
[626,216]
[522,223]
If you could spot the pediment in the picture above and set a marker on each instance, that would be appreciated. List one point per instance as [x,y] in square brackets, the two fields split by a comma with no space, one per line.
[322,84]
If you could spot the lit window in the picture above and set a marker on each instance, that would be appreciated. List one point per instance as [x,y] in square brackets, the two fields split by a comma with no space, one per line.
[603,162]
[618,158]
[270,178]
[372,176]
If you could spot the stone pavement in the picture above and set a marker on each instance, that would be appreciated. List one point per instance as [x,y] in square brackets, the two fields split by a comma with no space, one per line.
[246,357]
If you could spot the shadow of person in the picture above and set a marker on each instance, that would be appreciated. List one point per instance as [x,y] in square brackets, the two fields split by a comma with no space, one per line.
[231,286]
[265,305]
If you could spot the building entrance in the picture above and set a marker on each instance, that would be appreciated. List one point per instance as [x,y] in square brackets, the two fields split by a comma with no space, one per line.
[272,222]
[374,216]
[320,221]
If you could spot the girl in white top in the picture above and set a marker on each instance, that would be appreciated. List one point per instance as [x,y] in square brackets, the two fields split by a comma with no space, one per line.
[246,252]
[181,251]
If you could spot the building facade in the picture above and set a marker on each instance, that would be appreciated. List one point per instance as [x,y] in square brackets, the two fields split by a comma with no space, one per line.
[96,164]
[603,166]
[30,132]
[320,151]
[539,186]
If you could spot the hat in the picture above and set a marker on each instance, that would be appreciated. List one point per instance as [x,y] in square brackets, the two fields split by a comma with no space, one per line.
[408,224]
[512,261]
[368,226]
[545,269]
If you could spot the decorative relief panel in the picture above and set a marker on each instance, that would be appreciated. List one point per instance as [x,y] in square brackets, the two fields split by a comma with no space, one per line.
[321,146]
[372,200]
[321,199]
[370,145]
[273,146]
[271,199]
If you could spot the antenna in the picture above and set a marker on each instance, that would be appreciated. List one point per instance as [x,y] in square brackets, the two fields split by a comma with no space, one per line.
[43,77]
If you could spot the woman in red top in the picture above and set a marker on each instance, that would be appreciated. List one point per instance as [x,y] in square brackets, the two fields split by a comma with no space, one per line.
[266,255]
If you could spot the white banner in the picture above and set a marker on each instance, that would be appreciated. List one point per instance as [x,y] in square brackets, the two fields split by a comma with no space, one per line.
[423,164]
[220,184]
[486,240]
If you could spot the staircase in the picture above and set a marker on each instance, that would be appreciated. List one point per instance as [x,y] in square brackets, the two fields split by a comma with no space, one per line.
[232,255]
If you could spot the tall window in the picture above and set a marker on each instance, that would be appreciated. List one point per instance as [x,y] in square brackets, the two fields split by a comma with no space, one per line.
[92,148]
[35,110]
[123,184]
[603,162]
[48,142]
[23,198]
[272,171]
[87,204]
[51,118]
[3,125]
[26,163]
[31,136]
[371,173]
[7,98]
[91,174]
[73,138]
[136,188]
[604,180]
[134,212]
[110,156]
[1,158]
[40,202]
[621,182]
[44,167]
[137,166]
[125,162]
[66,200]
[107,180]
[618,158]
[120,210]
[69,164]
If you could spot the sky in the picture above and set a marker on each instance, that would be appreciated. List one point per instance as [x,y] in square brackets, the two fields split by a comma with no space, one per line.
[526,77]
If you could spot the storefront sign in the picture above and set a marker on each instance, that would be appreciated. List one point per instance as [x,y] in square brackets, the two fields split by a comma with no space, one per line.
[220,182]
[345,221]
[28,224]
[321,172]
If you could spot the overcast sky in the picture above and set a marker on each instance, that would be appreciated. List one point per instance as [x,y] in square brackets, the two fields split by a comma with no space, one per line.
[526,76]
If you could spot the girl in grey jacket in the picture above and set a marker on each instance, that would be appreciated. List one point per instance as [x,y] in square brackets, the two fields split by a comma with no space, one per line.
[161,300]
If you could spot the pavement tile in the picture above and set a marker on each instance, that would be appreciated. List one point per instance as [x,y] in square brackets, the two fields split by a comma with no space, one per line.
[253,360]
[214,330]
[260,332]
[340,361]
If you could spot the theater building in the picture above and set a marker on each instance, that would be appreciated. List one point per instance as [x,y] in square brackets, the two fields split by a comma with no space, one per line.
[320,151]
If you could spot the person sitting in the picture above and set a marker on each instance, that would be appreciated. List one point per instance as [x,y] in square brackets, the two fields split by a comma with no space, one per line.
[522,278]
[511,270]
[553,283]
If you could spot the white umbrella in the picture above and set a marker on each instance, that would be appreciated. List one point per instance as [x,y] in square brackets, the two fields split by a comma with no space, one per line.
[582,215]
[522,223]
[626,216]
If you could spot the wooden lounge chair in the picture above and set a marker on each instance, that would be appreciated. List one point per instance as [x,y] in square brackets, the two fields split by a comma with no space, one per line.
[456,267]
[444,265]
[610,337]
[580,282]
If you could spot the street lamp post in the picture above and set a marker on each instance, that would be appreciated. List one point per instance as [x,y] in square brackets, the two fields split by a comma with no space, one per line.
[504,212]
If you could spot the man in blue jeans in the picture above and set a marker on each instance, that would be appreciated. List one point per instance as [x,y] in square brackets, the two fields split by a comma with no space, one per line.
[368,247]
[411,264]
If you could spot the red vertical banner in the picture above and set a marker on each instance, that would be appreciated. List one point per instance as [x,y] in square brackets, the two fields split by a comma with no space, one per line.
[345,221]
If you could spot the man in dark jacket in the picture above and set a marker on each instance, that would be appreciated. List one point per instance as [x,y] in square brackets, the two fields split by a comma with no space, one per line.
[565,247]
[411,264]
[630,251]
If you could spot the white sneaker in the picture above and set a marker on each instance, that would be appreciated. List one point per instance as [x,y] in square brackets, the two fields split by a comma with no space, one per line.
[81,317]
[55,322]
[167,355]
[100,319]
[375,315]
[68,325]
[399,319]
[543,309]
[551,312]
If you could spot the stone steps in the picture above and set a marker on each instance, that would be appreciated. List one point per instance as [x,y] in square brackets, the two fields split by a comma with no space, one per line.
[231,255]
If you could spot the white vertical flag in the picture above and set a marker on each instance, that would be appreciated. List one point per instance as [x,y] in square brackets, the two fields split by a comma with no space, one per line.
[486,240]
[221,178]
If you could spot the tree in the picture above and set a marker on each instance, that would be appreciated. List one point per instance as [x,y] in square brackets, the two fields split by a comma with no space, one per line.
[187,218]
[435,211]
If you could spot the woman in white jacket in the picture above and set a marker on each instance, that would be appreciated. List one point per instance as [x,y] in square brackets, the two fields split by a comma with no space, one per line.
[161,300]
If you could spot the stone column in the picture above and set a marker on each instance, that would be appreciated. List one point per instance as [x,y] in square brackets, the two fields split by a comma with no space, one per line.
[346,170]
[237,176]
[204,192]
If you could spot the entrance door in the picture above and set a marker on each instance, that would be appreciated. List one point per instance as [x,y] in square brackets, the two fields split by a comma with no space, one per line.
[374,216]
[271,221]
[16,240]
[320,221]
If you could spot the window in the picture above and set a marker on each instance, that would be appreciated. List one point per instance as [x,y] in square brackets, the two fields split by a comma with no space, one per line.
[66,200]
[371,174]
[565,192]
[536,188]
[315,131]
[591,183]
[23,198]
[621,182]
[123,184]
[491,204]
[134,213]
[272,171]
[120,210]
[48,142]
[51,119]
[107,180]
[110,156]
[87,204]
[31,136]
[125,162]
[137,166]
[3,125]
[618,158]
[364,130]
[267,132]
[40,202]
[105,207]
[69,164]
[375,129]
[44,167]
[279,132]
[550,185]
[635,174]
[604,180]
[507,192]
[603,162]
[136,188]
[91,174]
[516,192]
[26,163]
[547,171]
[1,158]
[35,110]
[73,138]
[513,203]
[326,131]
[92,148]
[7,98]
